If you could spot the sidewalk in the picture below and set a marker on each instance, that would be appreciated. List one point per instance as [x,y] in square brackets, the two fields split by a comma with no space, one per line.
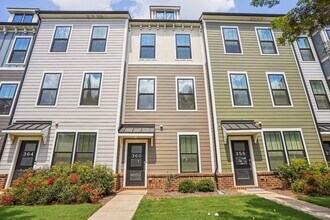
[312,209]
[122,207]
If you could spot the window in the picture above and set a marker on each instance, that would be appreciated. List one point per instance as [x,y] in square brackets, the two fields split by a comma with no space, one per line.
[64,147]
[147,50]
[159,15]
[240,90]
[186,94]
[305,49]
[232,42]
[25,18]
[61,39]
[277,147]
[266,40]
[189,159]
[183,50]
[98,39]
[49,89]
[169,15]
[328,33]
[279,90]
[146,94]
[320,94]
[19,51]
[7,95]
[91,89]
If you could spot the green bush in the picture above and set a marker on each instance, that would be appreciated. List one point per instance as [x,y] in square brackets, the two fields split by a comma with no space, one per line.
[63,184]
[206,185]
[187,186]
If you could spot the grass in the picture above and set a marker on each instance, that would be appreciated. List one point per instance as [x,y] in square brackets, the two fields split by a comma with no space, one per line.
[58,212]
[229,208]
[322,201]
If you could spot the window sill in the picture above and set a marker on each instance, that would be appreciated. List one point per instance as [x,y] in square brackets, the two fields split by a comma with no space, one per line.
[186,60]
[145,60]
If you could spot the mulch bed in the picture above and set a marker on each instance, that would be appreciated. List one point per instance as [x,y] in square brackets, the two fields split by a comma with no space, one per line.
[154,194]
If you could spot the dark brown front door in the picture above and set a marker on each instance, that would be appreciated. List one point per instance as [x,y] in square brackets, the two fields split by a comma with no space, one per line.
[242,163]
[135,169]
[326,146]
[26,157]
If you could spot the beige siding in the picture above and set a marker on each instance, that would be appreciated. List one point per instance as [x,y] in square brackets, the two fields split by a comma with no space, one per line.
[298,116]
[163,157]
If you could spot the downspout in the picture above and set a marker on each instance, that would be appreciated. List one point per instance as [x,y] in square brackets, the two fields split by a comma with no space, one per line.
[309,99]
[21,83]
[215,174]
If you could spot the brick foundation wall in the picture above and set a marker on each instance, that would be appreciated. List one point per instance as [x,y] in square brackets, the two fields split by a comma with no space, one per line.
[118,183]
[225,181]
[3,179]
[268,180]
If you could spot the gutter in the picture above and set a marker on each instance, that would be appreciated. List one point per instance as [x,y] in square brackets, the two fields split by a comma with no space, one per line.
[21,84]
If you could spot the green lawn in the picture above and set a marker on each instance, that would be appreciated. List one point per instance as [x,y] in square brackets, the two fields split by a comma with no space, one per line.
[227,207]
[58,212]
[322,201]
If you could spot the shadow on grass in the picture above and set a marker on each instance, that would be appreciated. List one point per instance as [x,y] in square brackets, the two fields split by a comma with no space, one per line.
[10,212]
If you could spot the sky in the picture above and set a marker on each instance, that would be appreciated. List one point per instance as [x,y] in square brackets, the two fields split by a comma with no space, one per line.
[190,9]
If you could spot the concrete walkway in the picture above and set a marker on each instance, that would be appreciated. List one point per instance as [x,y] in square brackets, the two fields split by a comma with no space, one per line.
[122,207]
[315,210]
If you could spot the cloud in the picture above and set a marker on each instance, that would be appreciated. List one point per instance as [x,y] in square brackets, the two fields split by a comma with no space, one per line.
[85,4]
[190,9]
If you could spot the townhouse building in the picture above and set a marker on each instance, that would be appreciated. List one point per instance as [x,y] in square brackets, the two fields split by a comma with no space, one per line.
[166,127]
[69,107]
[16,40]
[262,113]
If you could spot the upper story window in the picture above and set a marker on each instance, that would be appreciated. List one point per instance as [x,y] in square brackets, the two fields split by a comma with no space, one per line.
[186,94]
[160,15]
[91,89]
[320,94]
[23,18]
[98,39]
[305,49]
[168,15]
[279,90]
[266,41]
[231,39]
[7,95]
[183,46]
[146,94]
[61,39]
[240,90]
[148,44]
[327,31]
[49,89]
[19,51]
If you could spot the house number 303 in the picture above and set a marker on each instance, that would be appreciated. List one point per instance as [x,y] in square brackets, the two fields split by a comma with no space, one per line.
[136,155]
[27,154]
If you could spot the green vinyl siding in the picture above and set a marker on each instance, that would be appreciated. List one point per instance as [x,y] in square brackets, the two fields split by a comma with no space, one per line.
[256,65]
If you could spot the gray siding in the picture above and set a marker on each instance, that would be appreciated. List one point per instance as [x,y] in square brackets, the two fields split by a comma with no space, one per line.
[67,113]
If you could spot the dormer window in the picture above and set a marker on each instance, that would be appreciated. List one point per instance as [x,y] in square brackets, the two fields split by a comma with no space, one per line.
[23,18]
[165,15]
[165,12]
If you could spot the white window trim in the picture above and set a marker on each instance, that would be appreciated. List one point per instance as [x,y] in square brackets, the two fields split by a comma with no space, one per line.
[250,143]
[287,87]
[137,94]
[176,47]
[231,89]
[81,90]
[69,39]
[106,40]
[74,143]
[282,130]
[15,95]
[12,48]
[311,45]
[198,149]
[58,91]
[177,93]
[274,39]
[137,141]
[140,46]
[239,39]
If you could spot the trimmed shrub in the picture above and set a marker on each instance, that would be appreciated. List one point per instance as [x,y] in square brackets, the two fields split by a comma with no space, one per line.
[187,186]
[206,185]
[63,184]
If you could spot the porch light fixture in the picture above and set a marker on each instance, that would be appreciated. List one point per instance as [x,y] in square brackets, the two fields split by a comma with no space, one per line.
[161,127]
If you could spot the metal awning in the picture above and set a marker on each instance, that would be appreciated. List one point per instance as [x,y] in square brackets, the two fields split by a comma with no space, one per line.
[242,127]
[28,128]
[137,131]
[324,129]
